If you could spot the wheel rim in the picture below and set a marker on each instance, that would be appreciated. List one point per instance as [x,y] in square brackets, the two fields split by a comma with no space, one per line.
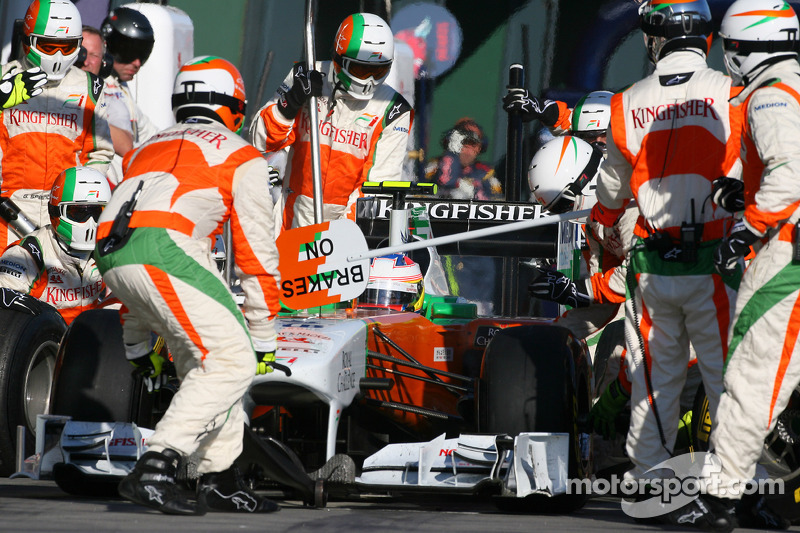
[39,382]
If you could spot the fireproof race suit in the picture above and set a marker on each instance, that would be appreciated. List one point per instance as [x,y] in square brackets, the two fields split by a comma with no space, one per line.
[670,137]
[359,140]
[123,113]
[63,127]
[764,364]
[39,266]
[194,177]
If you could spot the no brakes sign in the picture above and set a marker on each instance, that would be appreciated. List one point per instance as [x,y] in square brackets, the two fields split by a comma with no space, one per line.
[314,266]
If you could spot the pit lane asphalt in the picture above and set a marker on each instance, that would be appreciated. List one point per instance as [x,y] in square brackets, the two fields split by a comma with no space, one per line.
[40,506]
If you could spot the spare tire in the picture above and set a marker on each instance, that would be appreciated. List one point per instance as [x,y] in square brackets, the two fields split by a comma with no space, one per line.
[28,346]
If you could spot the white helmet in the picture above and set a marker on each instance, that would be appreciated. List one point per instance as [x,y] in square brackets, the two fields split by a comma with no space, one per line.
[77,198]
[363,50]
[211,87]
[395,282]
[53,35]
[591,115]
[755,34]
[562,174]
[670,25]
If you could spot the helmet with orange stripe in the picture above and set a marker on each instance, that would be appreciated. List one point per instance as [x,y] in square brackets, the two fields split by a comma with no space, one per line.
[77,198]
[395,282]
[591,117]
[52,30]
[563,173]
[756,34]
[671,25]
[363,50]
[210,87]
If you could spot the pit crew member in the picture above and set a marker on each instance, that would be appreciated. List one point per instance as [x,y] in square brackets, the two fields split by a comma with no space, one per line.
[671,135]
[363,125]
[129,39]
[55,262]
[760,41]
[63,127]
[154,250]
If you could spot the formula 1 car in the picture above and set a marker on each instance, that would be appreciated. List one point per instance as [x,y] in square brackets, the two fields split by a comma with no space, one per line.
[362,400]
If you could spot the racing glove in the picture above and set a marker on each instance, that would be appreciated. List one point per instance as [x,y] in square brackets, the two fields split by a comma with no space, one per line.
[604,412]
[18,86]
[305,85]
[529,107]
[554,286]
[733,248]
[728,193]
[274,177]
[149,366]
[11,299]
[265,360]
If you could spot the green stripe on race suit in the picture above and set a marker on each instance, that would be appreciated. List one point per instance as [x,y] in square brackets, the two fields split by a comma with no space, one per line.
[153,246]
[644,261]
[782,284]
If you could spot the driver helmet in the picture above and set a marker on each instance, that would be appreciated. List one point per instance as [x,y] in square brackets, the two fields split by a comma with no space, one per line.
[395,282]
[128,34]
[591,117]
[52,30]
[563,173]
[77,198]
[211,87]
[670,25]
[755,34]
[363,51]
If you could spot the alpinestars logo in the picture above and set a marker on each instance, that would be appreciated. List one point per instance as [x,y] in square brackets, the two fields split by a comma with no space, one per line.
[34,250]
[154,495]
[241,500]
[676,80]
[690,518]
[395,110]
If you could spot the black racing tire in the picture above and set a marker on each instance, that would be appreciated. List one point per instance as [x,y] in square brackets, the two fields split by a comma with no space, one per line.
[94,383]
[780,455]
[28,348]
[537,378]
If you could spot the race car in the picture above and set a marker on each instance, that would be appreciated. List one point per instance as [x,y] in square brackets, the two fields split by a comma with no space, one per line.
[362,399]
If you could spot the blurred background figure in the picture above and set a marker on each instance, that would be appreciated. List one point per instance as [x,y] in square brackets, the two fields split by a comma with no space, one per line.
[92,55]
[458,173]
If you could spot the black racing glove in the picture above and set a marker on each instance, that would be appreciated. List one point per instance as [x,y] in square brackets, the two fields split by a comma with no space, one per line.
[732,248]
[529,107]
[18,86]
[149,366]
[728,193]
[305,85]
[11,299]
[556,287]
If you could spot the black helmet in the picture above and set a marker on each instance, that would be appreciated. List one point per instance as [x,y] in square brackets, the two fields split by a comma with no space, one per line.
[675,25]
[128,35]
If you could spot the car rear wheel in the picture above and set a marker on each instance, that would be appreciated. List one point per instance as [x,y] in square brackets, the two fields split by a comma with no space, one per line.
[28,348]
[537,378]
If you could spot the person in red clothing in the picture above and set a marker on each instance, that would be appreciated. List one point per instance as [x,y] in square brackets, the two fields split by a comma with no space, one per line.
[363,126]
[154,250]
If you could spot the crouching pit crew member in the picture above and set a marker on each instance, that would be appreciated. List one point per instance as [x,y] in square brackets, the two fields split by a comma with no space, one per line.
[154,250]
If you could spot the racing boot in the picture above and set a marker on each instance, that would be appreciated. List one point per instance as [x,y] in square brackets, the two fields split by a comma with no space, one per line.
[226,492]
[152,483]
[705,512]
[753,512]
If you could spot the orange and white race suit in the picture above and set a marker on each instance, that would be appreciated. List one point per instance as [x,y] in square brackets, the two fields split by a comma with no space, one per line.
[63,127]
[360,140]
[39,266]
[671,135]
[195,177]
[763,368]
